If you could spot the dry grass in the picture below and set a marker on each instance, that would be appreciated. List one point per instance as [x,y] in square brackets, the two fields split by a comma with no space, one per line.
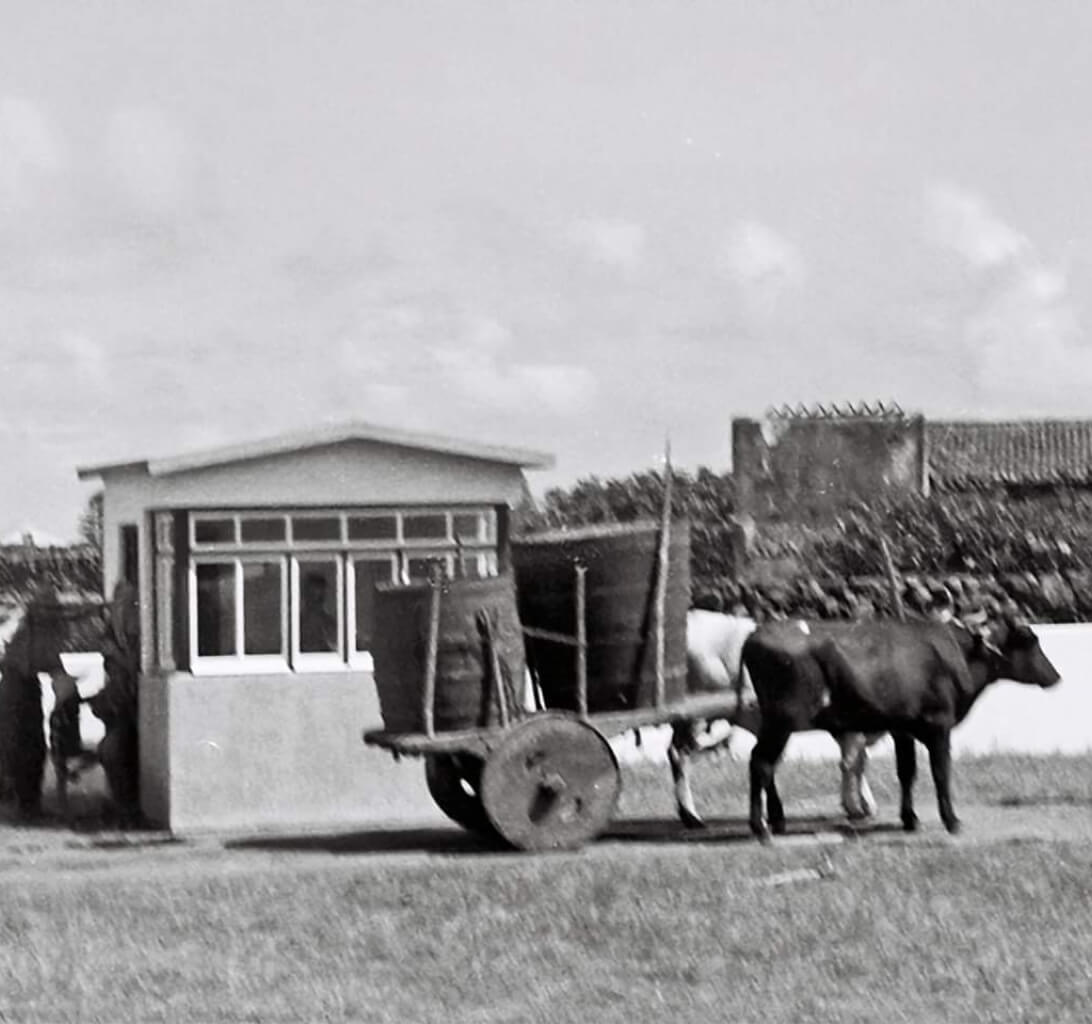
[903,929]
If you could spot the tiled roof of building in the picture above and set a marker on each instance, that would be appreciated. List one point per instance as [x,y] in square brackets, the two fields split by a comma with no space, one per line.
[966,454]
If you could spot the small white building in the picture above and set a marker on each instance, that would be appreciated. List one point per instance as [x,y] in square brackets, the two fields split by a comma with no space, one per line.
[256,567]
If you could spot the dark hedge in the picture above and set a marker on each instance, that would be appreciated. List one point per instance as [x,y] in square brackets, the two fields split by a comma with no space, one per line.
[1029,554]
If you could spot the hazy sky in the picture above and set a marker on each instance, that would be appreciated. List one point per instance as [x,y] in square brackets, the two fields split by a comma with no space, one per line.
[567,226]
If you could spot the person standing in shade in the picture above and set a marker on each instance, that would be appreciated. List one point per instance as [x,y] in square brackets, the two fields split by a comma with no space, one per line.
[318,623]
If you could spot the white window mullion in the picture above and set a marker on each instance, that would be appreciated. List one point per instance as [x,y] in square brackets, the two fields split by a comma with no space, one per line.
[286,611]
[350,607]
[191,585]
[294,613]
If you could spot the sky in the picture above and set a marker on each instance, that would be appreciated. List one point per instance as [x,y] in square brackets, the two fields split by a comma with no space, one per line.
[577,227]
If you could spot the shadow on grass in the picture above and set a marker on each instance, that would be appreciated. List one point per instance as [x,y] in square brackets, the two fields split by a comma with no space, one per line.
[373,841]
[738,830]
[453,841]
[1044,800]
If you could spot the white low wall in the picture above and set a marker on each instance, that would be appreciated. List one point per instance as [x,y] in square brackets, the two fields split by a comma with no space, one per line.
[1009,717]
[87,669]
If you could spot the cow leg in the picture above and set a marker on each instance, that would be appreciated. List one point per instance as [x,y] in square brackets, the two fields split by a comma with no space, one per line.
[678,756]
[856,796]
[775,810]
[906,766]
[940,761]
[764,757]
[60,778]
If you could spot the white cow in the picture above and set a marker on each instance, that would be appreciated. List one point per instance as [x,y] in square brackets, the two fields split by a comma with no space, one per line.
[714,651]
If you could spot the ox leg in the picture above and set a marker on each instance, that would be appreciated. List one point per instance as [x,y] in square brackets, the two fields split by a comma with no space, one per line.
[856,796]
[60,779]
[775,810]
[940,761]
[907,768]
[764,757]
[678,756]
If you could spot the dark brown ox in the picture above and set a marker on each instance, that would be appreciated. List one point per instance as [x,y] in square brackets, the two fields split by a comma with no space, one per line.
[915,679]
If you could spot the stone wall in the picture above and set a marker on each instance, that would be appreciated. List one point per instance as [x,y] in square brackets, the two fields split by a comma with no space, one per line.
[807,467]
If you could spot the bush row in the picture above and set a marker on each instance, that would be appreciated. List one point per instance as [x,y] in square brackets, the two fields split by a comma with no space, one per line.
[64,569]
[1031,554]
[1037,597]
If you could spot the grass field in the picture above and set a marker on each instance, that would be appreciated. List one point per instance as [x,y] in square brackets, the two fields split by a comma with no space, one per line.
[645,925]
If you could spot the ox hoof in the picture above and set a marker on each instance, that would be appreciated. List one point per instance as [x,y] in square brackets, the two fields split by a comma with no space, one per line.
[762,833]
[690,819]
[954,826]
[910,822]
[859,814]
[778,827]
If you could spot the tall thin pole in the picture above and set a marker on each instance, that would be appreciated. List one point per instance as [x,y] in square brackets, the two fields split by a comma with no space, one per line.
[581,641]
[892,580]
[661,574]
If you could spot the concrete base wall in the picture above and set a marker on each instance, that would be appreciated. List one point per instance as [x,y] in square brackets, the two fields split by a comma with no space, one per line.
[227,752]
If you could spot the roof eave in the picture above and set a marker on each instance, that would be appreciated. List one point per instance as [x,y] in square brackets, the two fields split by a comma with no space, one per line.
[99,471]
[322,437]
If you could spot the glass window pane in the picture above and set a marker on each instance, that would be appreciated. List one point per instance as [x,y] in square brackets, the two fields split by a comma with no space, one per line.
[432,526]
[373,528]
[263,617]
[318,611]
[215,609]
[316,528]
[257,530]
[479,566]
[422,568]
[214,531]
[367,575]
[469,526]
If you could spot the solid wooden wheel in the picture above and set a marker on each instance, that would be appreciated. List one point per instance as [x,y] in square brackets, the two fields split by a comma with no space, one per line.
[453,781]
[551,784]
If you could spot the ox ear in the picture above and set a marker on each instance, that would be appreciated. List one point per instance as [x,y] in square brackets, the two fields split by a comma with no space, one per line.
[1021,634]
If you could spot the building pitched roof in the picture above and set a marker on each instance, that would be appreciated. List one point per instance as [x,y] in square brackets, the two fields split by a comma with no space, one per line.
[968,454]
[322,437]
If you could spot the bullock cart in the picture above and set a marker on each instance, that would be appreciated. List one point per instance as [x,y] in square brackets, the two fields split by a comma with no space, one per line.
[598,616]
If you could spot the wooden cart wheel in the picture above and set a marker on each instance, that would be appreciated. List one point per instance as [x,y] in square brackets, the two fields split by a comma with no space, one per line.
[453,781]
[550,784]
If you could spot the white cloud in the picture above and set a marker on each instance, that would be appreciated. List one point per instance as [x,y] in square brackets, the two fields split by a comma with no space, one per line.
[85,358]
[559,387]
[30,150]
[1022,330]
[619,244]
[473,359]
[150,158]
[961,221]
[762,263]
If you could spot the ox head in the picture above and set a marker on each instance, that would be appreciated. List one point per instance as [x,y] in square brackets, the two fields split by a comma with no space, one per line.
[1012,651]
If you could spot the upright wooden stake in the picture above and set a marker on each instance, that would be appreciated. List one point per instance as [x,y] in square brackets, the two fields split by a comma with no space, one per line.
[429,696]
[581,642]
[892,580]
[495,667]
[661,575]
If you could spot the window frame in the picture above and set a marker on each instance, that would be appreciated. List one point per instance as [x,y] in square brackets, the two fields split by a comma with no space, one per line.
[356,658]
[345,553]
[316,661]
[239,663]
